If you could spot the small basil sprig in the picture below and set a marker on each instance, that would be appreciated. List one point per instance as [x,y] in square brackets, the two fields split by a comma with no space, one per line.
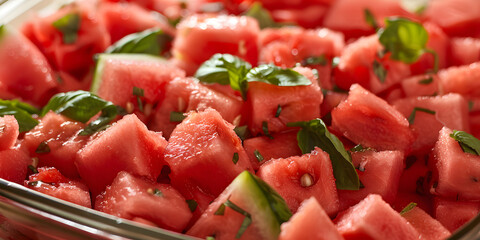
[82,106]
[469,143]
[313,134]
[228,69]
[69,26]
[21,111]
[150,41]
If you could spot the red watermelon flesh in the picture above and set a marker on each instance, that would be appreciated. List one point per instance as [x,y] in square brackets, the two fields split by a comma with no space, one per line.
[170,8]
[426,226]
[125,146]
[305,224]
[331,100]
[8,132]
[60,135]
[50,181]
[283,145]
[455,17]
[75,58]
[453,183]
[370,121]
[24,72]
[379,172]
[464,51]
[417,175]
[451,110]
[462,80]
[187,94]
[420,85]
[439,42]
[201,36]
[372,218]
[137,198]
[475,124]
[298,103]
[310,16]
[123,19]
[285,176]
[200,174]
[454,214]
[425,202]
[14,164]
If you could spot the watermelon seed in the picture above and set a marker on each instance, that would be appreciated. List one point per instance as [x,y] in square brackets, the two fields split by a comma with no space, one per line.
[181,104]
[236,120]
[35,162]
[242,49]
[129,107]
[148,109]
[306,180]
[474,179]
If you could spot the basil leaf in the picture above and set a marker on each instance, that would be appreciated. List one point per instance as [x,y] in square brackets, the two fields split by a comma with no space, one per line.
[82,106]
[426,81]
[316,60]
[409,207]
[192,204]
[265,130]
[313,134]
[177,116]
[138,92]
[263,16]
[150,41]
[469,143]
[279,110]
[274,75]
[370,19]
[404,39]
[235,158]
[242,132]
[379,71]
[258,156]
[2,30]
[69,26]
[225,69]
[157,192]
[22,113]
[43,148]
[411,118]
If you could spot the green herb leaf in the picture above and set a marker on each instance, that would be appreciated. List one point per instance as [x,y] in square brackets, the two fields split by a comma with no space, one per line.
[33,169]
[278,76]
[313,134]
[157,192]
[370,19]
[265,130]
[279,110]
[210,238]
[409,207]
[263,16]
[69,26]
[235,158]
[2,30]
[426,81]
[379,71]
[221,210]
[246,221]
[192,204]
[139,93]
[316,60]
[225,69]
[43,148]
[177,116]
[359,148]
[150,41]
[22,113]
[469,143]
[404,39]
[258,156]
[471,104]
[242,132]
[411,118]
[82,106]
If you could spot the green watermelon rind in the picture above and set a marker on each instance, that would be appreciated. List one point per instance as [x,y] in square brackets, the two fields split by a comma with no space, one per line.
[268,209]
[102,58]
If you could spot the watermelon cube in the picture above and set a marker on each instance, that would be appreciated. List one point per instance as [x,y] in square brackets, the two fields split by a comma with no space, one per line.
[450,110]
[457,172]
[125,146]
[14,164]
[379,173]
[201,36]
[54,141]
[420,85]
[370,121]
[455,17]
[187,94]
[423,201]
[204,155]
[462,80]
[299,177]
[8,132]
[464,51]
[454,214]
[142,200]
[426,226]
[50,181]
[372,218]
[306,222]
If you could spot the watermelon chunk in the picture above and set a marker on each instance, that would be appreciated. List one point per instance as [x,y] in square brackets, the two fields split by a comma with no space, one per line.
[201,154]
[306,222]
[254,200]
[13,165]
[370,121]
[137,199]
[426,226]
[455,17]
[8,132]
[449,158]
[54,141]
[451,110]
[372,218]
[187,94]
[50,181]
[307,16]
[421,85]
[425,202]
[454,214]
[108,153]
[379,173]
[298,178]
[464,51]
[199,37]
[24,72]
[439,42]
[462,80]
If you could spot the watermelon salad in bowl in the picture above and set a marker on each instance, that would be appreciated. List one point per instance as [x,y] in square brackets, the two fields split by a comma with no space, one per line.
[240,119]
